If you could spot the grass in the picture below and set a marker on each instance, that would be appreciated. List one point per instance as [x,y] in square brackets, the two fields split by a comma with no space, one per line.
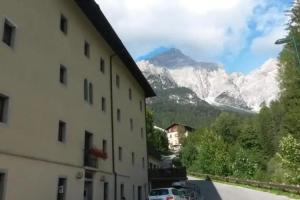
[273,191]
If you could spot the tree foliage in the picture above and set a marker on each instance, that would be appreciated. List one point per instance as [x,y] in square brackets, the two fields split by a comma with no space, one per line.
[265,146]
[289,155]
[157,141]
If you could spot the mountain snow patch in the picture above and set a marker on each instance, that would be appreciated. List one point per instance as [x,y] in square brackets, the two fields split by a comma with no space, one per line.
[216,86]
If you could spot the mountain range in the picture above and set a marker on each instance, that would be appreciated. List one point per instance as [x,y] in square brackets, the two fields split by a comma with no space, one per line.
[179,78]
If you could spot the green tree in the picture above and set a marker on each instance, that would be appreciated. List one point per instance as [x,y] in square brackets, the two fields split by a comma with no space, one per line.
[290,78]
[188,155]
[245,164]
[289,155]
[227,126]
[206,152]
[249,137]
[157,140]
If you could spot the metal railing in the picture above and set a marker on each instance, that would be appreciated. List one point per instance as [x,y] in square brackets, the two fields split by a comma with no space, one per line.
[89,160]
[177,173]
[265,185]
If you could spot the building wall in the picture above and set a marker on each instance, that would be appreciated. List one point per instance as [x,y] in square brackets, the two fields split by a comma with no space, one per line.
[29,149]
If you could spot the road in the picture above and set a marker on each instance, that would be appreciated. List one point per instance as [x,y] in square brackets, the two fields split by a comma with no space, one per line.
[218,191]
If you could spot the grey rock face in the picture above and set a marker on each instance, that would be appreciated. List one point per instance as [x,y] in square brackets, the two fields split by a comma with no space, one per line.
[174,58]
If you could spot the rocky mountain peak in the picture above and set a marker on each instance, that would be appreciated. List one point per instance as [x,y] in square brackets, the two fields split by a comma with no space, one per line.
[172,69]
[173,58]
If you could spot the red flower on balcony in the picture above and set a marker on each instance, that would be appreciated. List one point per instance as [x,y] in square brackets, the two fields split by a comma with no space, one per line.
[98,153]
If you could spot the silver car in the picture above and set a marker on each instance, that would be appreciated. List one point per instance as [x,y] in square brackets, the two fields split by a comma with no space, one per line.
[165,194]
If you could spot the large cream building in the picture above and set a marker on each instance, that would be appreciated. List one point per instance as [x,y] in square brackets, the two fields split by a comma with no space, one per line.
[72,109]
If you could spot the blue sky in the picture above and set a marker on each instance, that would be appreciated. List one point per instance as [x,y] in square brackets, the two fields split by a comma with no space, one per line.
[248,59]
[239,34]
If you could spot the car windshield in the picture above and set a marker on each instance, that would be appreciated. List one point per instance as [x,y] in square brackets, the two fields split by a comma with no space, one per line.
[159,192]
[184,192]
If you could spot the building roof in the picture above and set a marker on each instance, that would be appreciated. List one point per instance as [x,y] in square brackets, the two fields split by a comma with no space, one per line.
[93,12]
[175,124]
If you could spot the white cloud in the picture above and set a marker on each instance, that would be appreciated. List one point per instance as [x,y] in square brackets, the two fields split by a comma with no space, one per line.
[272,25]
[264,45]
[205,29]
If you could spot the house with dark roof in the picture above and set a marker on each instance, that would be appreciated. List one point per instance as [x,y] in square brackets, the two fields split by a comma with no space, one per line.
[175,133]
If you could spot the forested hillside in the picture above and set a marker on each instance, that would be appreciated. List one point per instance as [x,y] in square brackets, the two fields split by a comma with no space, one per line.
[265,146]
[185,107]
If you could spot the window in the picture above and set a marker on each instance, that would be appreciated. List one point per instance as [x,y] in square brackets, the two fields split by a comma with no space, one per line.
[118,81]
[9,33]
[3,108]
[120,153]
[130,94]
[103,104]
[142,133]
[145,189]
[131,124]
[102,65]
[2,185]
[91,96]
[61,189]
[86,49]
[139,192]
[104,146]
[132,158]
[62,131]
[143,162]
[105,191]
[63,75]
[118,114]
[133,192]
[175,192]
[63,24]
[141,106]
[122,192]
[86,92]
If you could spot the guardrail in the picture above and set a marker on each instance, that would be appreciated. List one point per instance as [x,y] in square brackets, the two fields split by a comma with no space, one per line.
[266,185]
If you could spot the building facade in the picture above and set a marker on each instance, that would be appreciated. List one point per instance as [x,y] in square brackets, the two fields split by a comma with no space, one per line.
[153,162]
[72,105]
[175,133]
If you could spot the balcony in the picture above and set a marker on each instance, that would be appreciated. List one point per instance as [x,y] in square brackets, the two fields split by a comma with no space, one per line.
[165,177]
[90,160]
[170,173]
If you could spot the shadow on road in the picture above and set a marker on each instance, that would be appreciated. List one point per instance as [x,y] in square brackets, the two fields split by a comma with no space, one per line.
[206,189]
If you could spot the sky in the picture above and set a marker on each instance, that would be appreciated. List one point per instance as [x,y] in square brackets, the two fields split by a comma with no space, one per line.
[238,34]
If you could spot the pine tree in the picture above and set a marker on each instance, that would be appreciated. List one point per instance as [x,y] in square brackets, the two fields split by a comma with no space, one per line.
[290,77]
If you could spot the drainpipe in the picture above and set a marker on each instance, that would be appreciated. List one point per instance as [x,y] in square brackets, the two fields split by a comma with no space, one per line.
[147,157]
[112,126]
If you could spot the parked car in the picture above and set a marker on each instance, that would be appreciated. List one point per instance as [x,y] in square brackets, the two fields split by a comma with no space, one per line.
[179,184]
[184,193]
[166,194]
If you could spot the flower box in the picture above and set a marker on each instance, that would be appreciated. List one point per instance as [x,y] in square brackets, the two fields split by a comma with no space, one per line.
[98,153]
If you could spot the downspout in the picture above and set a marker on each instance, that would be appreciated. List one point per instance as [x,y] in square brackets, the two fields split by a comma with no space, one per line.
[147,157]
[112,127]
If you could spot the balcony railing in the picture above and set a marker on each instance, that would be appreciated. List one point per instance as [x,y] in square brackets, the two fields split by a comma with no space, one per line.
[165,174]
[90,160]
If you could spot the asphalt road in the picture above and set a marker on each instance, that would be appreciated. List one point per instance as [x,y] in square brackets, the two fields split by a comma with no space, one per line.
[218,191]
